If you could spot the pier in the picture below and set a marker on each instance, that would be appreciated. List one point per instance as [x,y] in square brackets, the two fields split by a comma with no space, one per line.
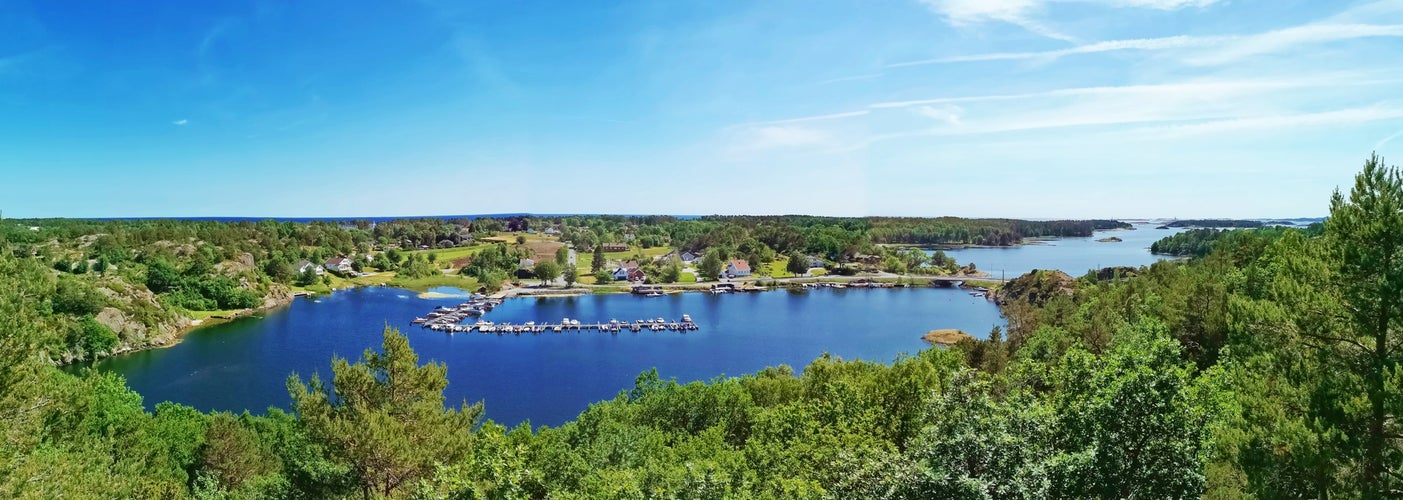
[450,320]
[570,325]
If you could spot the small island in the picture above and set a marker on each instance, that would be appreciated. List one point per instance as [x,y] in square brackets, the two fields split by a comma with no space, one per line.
[945,337]
[1112,239]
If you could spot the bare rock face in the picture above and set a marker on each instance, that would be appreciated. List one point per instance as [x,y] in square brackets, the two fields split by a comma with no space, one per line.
[241,264]
[118,321]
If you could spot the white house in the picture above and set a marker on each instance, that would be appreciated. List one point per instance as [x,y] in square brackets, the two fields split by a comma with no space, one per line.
[737,268]
[303,266]
[340,264]
[620,274]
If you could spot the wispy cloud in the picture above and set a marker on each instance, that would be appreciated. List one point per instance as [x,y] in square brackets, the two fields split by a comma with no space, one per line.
[1026,13]
[1161,110]
[1336,117]
[1020,13]
[1228,48]
[869,76]
[764,137]
[181,122]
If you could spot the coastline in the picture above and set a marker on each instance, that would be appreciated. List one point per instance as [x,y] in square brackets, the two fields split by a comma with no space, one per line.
[276,301]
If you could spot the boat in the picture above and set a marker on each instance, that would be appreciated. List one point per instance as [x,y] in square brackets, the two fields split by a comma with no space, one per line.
[574,322]
[654,294]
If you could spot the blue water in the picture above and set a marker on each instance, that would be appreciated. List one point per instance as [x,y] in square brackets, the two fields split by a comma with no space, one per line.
[1074,256]
[547,378]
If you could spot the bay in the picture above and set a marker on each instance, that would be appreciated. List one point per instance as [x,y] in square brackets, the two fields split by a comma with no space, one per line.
[546,378]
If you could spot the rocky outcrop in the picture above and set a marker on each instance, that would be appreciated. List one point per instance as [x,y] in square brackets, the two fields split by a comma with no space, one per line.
[1036,287]
[1112,239]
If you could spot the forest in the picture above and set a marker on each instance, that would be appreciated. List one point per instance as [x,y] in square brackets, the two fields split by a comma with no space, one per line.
[1267,368]
[127,284]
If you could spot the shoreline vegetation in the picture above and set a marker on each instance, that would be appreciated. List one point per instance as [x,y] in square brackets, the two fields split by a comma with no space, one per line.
[127,285]
[1207,377]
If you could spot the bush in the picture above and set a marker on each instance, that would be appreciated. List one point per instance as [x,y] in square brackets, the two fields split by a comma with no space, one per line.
[77,297]
[90,337]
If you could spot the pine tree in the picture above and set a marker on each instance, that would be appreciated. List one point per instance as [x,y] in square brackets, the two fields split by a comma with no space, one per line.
[384,416]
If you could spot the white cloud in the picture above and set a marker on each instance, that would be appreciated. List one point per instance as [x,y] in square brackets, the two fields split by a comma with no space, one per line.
[961,13]
[1172,42]
[180,122]
[1286,39]
[1336,117]
[779,136]
[948,113]
[1023,13]
[1227,48]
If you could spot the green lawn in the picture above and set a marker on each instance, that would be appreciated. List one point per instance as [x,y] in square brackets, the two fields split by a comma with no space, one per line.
[451,254]
[776,269]
[687,278]
[424,284]
[647,252]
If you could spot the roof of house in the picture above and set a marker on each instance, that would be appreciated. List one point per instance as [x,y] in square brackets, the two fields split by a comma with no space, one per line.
[302,264]
[336,261]
[631,264]
[740,265]
[526,263]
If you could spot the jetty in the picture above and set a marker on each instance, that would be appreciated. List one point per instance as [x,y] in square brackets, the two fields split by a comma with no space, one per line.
[450,320]
[683,325]
[443,316]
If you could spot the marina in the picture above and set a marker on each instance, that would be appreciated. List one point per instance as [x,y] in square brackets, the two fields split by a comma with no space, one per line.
[450,319]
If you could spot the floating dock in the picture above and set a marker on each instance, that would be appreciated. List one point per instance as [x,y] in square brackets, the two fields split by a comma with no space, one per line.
[570,325]
[450,319]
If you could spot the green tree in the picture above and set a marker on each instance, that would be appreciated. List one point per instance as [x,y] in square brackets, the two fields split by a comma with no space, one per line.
[546,271]
[93,337]
[710,266]
[603,277]
[797,265]
[521,239]
[671,272]
[384,416]
[1365,232]
[77,297]
[307,277]
[562,257]
[571,275]
[597,262]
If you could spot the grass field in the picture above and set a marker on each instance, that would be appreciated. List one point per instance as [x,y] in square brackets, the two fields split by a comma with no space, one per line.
[424,284]
[687,278]
[204,315]
[451,254]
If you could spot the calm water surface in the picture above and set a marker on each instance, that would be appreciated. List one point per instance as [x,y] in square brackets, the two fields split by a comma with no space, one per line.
[547,378]
[1074,256]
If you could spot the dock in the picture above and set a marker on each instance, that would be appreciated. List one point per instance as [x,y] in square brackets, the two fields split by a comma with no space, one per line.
[444,316]
[571,325]
[450,320]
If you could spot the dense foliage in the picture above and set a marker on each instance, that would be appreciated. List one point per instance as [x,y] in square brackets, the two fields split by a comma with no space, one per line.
[1269,368]
[1201,242]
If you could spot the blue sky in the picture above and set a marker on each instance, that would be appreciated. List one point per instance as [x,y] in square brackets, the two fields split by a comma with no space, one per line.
[1020,108]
